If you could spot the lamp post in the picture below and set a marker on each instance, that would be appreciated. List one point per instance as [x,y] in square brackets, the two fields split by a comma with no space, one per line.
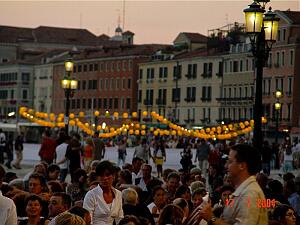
[262,29]
[69,85]
[277,106]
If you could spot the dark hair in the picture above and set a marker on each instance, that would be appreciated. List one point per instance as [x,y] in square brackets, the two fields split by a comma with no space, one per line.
[288,176]
[79,173]
[66,199]
[171,214]
[181,202]
[250,155]
[126,175]
[157,188]
[129,218]
[279,212]
[79,211]
[181,190]
[226,188]
[135,159]
[173,175]
[53,167]
[33,197]
[105,166]
[55,186]
[40,177]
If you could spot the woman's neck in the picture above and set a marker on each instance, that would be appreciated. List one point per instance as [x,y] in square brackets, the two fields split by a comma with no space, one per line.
[33,220]
[106,190]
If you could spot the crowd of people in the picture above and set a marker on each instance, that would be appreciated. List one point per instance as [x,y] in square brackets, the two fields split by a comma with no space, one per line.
[222,183]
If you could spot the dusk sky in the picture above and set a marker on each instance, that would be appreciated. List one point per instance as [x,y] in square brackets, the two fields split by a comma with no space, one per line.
[151,21]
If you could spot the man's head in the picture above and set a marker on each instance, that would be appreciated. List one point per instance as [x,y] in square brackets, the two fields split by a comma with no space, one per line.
[37,183]
[130,196]
[146,170]
[53,172]
[243,161]
[59,202]
[136,164]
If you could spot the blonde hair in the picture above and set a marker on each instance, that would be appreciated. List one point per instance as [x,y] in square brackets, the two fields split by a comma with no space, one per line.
[67,218]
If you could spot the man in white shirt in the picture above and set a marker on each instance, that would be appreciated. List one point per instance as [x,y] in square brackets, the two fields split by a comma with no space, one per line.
[243,206]
[8,213]
[61,159]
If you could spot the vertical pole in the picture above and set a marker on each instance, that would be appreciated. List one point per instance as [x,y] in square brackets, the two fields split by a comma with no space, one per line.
[176,86]
[276,129]
[67,92]
[258,111]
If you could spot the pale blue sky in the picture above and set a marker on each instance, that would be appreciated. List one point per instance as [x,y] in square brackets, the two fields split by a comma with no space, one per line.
[151,21]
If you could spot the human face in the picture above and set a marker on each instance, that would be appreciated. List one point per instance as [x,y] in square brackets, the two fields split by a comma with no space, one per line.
[146,171]
[290,218]
[197,200]
[56,206]
[172,184]
[225,195]
[233,167]
[159,197]
[33,208]
[106,179]
[35,186]
[187,195]
[53,175]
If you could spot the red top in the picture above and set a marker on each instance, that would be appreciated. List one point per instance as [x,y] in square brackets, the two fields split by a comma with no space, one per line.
[88,151]
[47,150]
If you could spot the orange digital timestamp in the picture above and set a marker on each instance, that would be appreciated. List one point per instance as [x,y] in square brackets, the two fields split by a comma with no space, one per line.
[260,203]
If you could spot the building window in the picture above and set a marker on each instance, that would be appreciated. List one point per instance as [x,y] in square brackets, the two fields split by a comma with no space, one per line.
[99,103]
[112,83]
[241,66]
[110,103]
[96,66]
[91,67]
[124,65]
[106,84]
[282,58]
[78,104]
[283,34]
[141,74]
[101,67]
[291,57]
[130,65]
[112,67]
[101,84]
[78,85]
[83,85]
[128,103]
[118,66]
[89,103]
[94,103]
[118,83]
[107,67]
[94,86]
[79,68]
[176,95]
[85,68]
[175,75]
[140,96]
[25,76]
[83,103]
[90,84]
[129,83]
[116,103]
[124,83]
[105,103]
[290,86]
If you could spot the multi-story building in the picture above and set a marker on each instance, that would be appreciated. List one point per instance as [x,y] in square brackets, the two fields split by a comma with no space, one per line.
[237,95]
[182,87]
[282,73]
[107,80]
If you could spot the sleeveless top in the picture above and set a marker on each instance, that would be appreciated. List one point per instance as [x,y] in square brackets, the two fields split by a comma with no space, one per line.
[25,221]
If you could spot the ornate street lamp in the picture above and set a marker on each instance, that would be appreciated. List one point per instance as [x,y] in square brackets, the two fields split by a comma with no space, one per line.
[277,106]
[69,85]
[262,30]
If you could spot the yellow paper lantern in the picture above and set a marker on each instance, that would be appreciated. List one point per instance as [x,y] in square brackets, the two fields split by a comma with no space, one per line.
[72,116]
[125,115]
[130,131]
[179,133]
[137,126]
[145,113]
[143,127]
[143,132]
[96,113]
[81,114]
[116,114]
[107,114]
[173,132]
[151,129]
[165,121]
[155,133]
[207,130]
[72,123]
[137,132]
[112,129]
[86,124]
[134,114]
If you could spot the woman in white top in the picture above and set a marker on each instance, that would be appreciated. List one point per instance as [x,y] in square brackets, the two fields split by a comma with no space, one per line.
[159,201]
[104,202]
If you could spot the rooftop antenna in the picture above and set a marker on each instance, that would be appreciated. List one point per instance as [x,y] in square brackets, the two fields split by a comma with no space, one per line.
[123,15]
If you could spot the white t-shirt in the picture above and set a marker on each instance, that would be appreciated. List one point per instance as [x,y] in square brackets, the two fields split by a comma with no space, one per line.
[8,213]
[61,154]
